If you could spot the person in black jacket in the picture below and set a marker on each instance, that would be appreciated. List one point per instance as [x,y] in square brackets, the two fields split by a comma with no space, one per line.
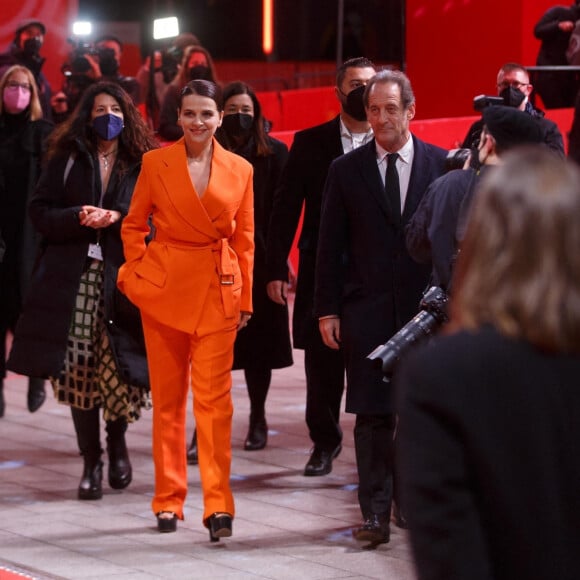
[23,134]
[489,413]
[264,344]
[513,85]
[302,183]
[432,234]
[367,285]
[76,328]
[25,51]
[557,88]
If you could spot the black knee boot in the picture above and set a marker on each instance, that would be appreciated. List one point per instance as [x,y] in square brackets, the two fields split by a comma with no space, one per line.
[120,471]
[88,437]
[36,394]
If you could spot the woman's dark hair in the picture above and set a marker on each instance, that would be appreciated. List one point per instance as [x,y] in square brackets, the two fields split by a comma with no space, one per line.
[135,139]
[258,131]
[203,88]
[182,77]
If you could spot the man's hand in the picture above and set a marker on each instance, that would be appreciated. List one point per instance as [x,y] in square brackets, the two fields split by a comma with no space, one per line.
[330,332]
[277,291]
[566,25]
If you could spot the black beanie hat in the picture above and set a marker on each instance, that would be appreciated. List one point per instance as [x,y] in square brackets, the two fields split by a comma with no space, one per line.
[511,127]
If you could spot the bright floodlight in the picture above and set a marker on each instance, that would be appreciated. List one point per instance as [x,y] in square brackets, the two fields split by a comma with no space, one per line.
[82,28]
[165,27]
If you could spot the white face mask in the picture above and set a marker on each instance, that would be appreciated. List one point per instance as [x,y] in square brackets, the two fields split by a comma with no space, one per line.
[16,99]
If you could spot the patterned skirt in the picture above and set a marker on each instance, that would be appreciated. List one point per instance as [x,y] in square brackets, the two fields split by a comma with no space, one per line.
[90,378]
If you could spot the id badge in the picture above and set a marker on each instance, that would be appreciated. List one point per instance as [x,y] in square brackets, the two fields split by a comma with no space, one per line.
[95,252]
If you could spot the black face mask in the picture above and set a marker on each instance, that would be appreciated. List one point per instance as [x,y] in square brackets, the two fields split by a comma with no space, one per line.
[512,97]
[238,124]
[200,72]
[31,46]
[354,105]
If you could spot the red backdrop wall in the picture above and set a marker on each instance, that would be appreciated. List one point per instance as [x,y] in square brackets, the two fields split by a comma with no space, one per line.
[455,48]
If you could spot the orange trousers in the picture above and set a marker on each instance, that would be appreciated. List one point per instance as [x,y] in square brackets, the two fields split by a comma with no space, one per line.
[207,357]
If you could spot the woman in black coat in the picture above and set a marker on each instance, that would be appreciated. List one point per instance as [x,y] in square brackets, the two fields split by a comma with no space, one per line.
[264,344]
[23,133]
[489,415]
[77,329]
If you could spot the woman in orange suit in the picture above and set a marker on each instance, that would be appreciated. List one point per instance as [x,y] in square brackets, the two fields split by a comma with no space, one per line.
[193,285]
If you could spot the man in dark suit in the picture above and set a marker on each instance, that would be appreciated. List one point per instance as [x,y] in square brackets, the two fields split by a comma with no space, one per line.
[367,285]
[302,182]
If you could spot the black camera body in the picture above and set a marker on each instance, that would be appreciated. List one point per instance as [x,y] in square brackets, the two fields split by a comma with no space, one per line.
[456,158]
[432,315]
[483,101]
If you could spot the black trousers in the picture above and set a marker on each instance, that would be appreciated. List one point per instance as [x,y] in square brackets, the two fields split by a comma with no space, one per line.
[374,448]
[324,388]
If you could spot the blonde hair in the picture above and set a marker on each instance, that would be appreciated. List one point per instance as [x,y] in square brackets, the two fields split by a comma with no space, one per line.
[519,264]
[34,106]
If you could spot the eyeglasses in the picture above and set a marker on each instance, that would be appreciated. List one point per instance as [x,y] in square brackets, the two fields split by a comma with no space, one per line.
[14,84]
[514,84]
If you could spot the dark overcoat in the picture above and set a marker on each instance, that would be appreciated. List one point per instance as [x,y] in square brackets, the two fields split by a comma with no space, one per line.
[487,458]
[363,270]
[265,341]
[302,184]
[41,335]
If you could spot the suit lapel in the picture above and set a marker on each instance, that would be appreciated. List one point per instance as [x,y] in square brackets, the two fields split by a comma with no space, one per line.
[180,191]
[419,179]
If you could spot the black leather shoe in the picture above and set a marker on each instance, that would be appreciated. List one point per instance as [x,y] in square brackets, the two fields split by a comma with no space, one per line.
[192,451]
[320,462]
[375,529]
[257,436]
[166,524]
[36,394]
[91,485]
[219,525]
[398,516]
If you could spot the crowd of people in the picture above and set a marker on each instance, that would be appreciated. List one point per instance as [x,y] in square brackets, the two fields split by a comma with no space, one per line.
[132,273]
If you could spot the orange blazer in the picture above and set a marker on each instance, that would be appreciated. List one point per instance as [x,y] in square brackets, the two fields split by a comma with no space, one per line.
[198,244]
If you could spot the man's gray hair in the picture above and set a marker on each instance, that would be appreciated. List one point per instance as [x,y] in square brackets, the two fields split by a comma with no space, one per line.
[396,77]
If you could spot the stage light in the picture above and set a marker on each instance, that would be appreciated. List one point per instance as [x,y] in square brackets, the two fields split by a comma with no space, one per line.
[165,27]
[267,26]
[82,28]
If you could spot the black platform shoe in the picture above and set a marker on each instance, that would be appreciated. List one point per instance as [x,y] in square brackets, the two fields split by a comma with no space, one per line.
[166,525]
[219,525]
[192,450]
[36,394]
[257,436]
[91,485]
[120,470]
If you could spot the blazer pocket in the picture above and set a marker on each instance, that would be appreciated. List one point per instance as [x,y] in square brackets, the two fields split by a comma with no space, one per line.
[152,273]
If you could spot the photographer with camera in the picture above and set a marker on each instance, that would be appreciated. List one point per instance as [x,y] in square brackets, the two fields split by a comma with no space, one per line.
[109,50]
[89,63]
[25,51]
[165,64]
[432,233]
[513,86]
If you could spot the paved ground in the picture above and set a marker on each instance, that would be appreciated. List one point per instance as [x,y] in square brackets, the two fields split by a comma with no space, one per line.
[287,525]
